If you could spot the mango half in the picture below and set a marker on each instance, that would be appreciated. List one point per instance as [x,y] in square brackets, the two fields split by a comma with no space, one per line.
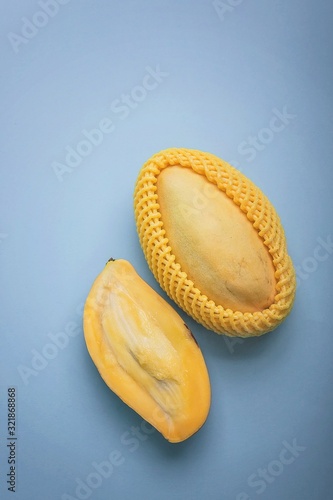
[145,353]
[214,242]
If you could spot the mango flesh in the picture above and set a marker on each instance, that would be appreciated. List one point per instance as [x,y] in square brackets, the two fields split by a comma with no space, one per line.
[145,353]
[214,242]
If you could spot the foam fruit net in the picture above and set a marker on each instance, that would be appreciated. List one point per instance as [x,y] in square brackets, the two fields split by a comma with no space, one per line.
[168,271]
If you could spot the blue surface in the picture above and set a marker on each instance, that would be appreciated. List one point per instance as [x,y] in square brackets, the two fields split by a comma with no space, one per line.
[223,70]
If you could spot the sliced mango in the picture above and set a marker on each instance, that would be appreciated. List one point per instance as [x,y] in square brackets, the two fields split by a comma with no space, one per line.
[145,353]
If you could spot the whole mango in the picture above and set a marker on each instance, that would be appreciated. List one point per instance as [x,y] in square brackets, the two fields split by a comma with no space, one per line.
[214,242]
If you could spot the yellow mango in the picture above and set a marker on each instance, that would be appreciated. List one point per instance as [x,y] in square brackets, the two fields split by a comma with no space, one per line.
[145,353]
[226,257]
[214,242]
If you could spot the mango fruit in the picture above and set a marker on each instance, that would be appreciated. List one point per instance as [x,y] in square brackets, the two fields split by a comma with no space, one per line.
[145,353]
[214,242]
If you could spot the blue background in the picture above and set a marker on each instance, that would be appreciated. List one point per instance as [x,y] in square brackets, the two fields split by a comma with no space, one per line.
[225,71]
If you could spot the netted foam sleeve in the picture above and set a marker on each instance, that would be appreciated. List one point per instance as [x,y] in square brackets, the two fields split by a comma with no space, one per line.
[168,271]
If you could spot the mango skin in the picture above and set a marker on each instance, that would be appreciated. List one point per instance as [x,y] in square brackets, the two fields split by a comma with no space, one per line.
[145,353]
[256,309]
[217,245]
